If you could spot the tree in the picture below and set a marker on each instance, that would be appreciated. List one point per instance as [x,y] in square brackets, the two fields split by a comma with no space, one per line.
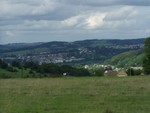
[31,65]
[98,72]
[133,72]
[48,68]
[16,64]
[80,72]
[66,69]
[130,72]
[3,64]
[146,59]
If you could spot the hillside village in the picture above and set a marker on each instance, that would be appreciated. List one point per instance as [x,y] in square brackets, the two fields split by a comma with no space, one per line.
[93,56]
[74,52]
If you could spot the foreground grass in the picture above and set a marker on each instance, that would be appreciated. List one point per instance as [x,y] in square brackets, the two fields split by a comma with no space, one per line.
[76,95]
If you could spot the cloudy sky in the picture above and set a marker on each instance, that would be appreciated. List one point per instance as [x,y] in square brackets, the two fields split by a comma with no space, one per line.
[70,20]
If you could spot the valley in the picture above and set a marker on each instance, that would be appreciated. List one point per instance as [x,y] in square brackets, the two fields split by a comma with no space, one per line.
[83,52]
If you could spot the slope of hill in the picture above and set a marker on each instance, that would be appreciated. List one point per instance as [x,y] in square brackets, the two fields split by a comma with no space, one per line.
[127,59]
[86,51]
[17,46]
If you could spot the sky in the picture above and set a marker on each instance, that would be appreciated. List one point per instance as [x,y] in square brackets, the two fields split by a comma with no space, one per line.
[70,20]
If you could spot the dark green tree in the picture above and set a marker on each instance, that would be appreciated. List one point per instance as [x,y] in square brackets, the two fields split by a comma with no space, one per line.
[130,72]
[146,59]
[16,64]
[48,68]
[99,72]
[31,65]
[3,64]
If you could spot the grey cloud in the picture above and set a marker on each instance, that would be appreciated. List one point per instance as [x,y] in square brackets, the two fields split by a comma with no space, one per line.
[108,2]
[122,13]
[136,2]
[10,9]
[68,20]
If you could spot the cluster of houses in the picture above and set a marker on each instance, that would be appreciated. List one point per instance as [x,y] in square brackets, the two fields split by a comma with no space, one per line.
[136,46]
[110,70]
[41,58]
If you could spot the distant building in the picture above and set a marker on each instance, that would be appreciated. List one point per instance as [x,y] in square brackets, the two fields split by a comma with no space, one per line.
[115,73]
[136,68]
[122,73]
[110,73]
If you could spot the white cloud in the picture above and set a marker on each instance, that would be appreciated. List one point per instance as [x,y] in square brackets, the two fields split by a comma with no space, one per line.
[95,20]
[120,17]
[86,21]
[72,21]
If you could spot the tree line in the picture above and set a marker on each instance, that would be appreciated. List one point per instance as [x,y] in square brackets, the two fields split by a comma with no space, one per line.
[55,69]
[44,70]
[146,59]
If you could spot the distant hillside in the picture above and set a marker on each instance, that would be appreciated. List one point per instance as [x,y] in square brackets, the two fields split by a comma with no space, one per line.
[17,46]
[127,59]
[86,51]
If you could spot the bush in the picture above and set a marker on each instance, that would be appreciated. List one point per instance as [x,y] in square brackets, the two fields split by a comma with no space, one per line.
[10,69]
[146,59]
[31,72]
[137,72]
[3,75]
[79,72]
[133,72]
[3,64]
[48,68]
[98,72]
[31,65]
[16,64]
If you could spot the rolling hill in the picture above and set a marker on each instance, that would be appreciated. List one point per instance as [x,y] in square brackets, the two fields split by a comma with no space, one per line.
[83,52]
[127,59]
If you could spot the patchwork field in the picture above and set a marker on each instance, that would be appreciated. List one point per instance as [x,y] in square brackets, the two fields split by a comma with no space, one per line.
[76,95]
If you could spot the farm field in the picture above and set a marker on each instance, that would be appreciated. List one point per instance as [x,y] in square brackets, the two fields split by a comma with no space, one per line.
[76,95]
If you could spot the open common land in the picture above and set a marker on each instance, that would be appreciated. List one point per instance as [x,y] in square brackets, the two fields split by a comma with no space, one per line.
[76,95]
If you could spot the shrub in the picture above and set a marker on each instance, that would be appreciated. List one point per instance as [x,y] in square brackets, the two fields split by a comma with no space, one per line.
[3,64]
[98,72]
[16,64]
[3,75]
[133,72]
[146,59]
[10,69]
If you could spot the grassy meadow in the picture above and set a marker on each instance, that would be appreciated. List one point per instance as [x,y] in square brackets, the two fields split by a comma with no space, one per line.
[7,74]
[76,95]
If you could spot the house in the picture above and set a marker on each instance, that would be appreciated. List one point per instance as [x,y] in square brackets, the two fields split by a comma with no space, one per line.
[122,73]
[115,73]
[110,73]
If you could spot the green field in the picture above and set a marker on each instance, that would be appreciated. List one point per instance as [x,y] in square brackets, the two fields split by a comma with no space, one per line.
[76,95]
[7,74]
